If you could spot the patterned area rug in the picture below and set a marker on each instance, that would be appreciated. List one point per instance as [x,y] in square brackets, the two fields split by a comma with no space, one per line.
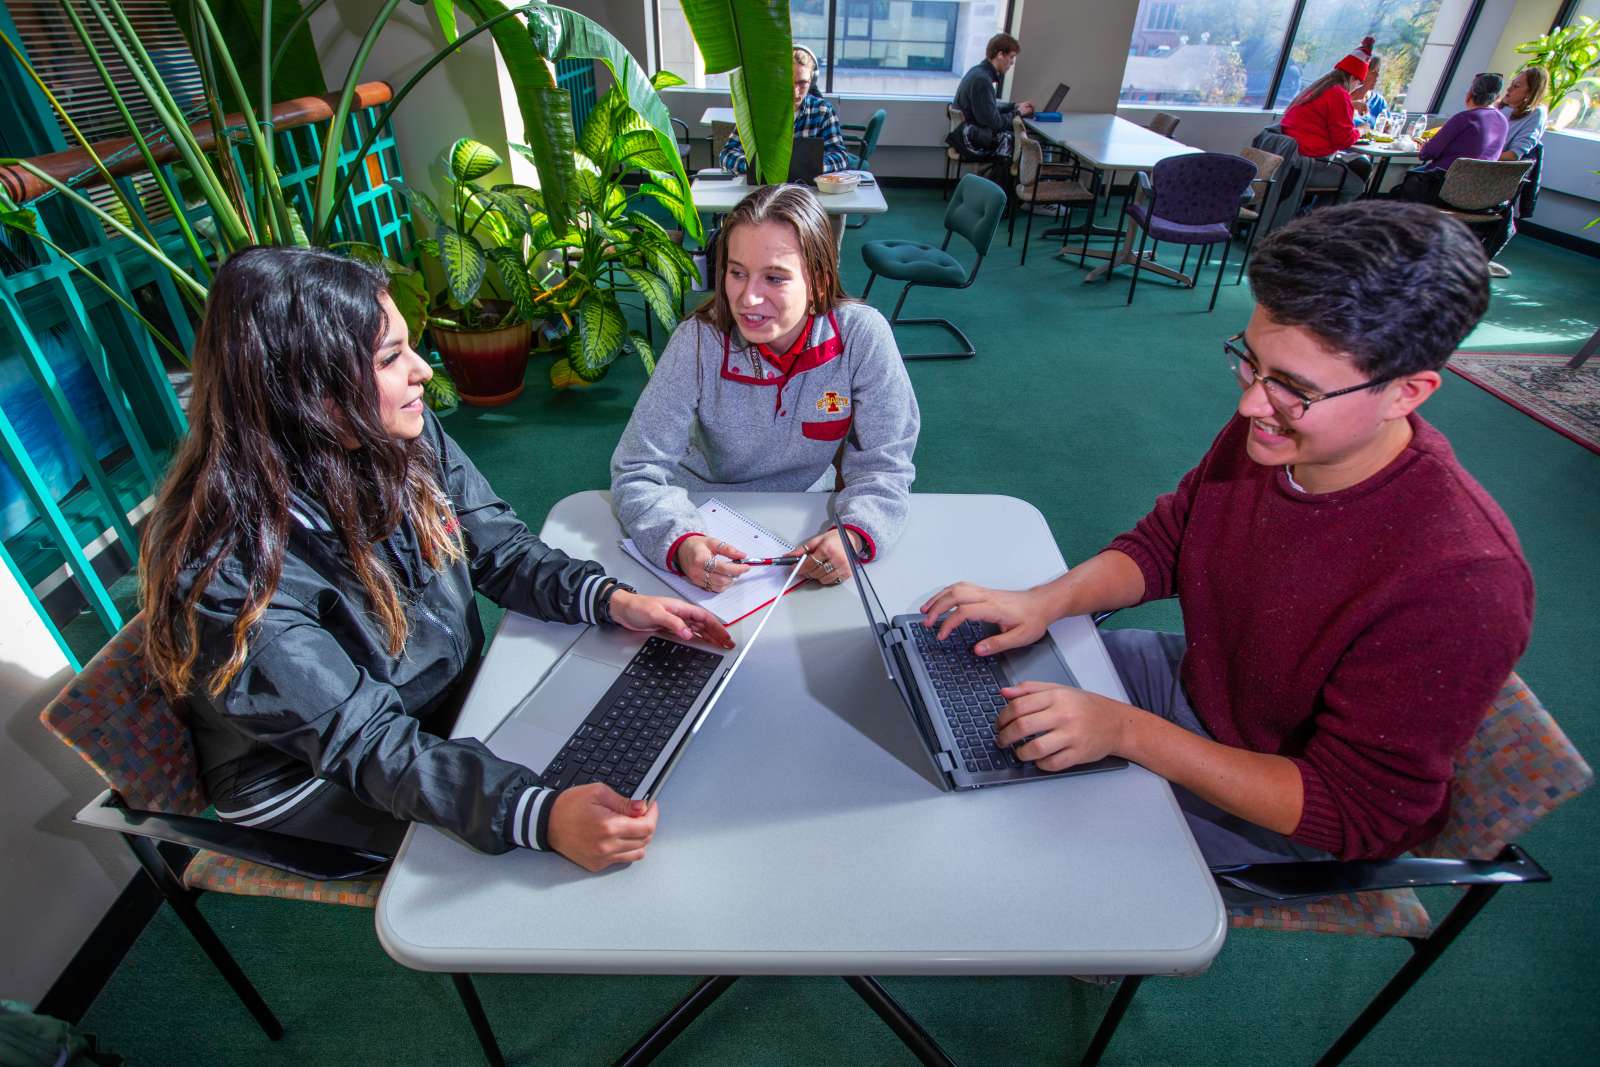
[1567,401]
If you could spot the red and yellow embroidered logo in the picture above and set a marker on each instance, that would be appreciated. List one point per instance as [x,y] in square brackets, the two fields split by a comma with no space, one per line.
[833,402]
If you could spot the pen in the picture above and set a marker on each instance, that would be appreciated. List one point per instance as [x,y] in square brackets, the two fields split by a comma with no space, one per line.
[775,561]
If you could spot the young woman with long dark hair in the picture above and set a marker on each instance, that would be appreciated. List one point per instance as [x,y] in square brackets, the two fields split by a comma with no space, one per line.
[760,389]
[308,578]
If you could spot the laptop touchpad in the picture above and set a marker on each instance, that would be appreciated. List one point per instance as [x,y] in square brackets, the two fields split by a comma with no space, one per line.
[538,728]
[1038,662]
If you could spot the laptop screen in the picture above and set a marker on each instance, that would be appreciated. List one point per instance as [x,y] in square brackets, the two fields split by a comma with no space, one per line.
[1056,97]
[722,685]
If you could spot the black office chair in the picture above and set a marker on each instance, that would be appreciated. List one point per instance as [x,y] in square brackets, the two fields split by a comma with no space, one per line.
[974,212]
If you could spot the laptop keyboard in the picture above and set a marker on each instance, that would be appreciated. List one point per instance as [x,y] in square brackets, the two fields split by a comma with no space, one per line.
[633,722]
[968,686]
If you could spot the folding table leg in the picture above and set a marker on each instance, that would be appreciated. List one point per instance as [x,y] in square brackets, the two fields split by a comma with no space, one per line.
[907,1029]
[480,1022]
[1108,1025]
[676,1021]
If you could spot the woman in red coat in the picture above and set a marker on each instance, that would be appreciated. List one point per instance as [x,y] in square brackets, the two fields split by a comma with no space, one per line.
[1321,121]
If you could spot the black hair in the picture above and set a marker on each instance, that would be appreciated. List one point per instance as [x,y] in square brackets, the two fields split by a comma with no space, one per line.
[1395,286]
[1485,88]
[285,399]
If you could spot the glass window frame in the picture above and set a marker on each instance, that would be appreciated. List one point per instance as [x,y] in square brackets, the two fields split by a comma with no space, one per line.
[1007,25]
[1292,30]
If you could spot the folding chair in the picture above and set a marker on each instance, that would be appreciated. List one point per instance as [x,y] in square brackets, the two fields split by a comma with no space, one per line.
[117,719]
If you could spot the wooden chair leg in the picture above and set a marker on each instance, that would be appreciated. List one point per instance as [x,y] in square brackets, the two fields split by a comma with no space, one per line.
[480,1021]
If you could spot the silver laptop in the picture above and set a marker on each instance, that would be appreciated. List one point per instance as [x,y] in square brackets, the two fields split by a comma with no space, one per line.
[953,694]
[620,707]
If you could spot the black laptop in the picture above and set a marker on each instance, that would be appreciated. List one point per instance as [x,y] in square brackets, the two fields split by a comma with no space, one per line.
[953,694]
[805,160]
[1056,97]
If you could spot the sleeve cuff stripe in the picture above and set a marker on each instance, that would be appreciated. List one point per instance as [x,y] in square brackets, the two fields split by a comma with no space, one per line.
[518,836]
[586,598]
[536,818]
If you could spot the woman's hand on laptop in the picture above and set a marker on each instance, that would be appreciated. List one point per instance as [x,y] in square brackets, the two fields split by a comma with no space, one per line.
[648,614]
[1067,726]
[1021,615]
[594,826]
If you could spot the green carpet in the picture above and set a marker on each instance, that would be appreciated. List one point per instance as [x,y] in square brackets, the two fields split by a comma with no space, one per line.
[1087,409]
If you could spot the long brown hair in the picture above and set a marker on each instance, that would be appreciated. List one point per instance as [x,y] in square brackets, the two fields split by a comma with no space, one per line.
[284,385]
[1323,84]
[1538,89]
[796,206]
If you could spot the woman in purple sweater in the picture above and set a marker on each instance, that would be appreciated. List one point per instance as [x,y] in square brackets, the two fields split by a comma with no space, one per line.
[1478,132]
[1352,600]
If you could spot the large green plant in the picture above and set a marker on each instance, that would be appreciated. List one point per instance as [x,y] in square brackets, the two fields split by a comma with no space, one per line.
[480,235]
[1572,56]
[750,41]
[251,208]
[615,246]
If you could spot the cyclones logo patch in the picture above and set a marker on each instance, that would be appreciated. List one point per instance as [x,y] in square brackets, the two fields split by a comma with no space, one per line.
[833,402]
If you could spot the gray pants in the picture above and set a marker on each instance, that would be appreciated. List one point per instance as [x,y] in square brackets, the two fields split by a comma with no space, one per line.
[1147,662]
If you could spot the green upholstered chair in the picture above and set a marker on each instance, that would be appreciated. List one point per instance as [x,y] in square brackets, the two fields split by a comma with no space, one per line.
[1517,768]
[117,719]
[863,140]
[975,211]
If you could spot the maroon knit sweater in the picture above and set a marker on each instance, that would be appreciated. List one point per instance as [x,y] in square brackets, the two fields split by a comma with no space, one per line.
[1362,633]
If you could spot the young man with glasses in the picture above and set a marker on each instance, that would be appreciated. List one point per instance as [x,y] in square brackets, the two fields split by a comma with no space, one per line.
[1352,599]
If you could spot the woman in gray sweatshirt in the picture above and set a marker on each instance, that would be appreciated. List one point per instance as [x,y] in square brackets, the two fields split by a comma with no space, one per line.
[759,390]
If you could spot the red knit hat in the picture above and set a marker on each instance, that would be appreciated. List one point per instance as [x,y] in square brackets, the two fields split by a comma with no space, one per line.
[1355,64]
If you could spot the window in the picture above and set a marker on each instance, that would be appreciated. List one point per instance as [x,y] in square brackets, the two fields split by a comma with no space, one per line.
[1215,53]
[880,47]
[1221,53]
[1580,110]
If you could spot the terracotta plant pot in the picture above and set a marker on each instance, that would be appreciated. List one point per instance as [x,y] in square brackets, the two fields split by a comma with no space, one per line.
[487,365]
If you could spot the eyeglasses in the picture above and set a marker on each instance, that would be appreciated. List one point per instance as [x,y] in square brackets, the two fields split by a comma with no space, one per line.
[1287,400]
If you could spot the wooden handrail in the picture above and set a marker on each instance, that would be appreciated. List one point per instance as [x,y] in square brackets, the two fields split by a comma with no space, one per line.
[64,166]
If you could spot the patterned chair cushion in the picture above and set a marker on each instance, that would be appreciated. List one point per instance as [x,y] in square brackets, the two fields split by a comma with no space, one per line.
[1518,767]
[218,873]
[1202,189]
[115,716]
[1389,914]
[1163,229]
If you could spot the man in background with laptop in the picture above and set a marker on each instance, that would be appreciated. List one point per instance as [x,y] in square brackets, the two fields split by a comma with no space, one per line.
[814,117]
[1352,599]
[985,130]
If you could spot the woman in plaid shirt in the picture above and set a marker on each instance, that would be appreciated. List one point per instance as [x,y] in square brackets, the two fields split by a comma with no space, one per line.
[813,117]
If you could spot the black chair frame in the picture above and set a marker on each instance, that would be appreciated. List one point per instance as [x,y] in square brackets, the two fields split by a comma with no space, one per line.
[144,831]
[1016,205]
[1255,227]
[1142,183]
[967,350]
[1266,883]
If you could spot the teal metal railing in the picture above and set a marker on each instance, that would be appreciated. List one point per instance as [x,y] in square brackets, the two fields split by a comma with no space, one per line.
[47,308]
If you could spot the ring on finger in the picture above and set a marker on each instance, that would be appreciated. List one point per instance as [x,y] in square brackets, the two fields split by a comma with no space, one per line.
[710,564]
[827,566]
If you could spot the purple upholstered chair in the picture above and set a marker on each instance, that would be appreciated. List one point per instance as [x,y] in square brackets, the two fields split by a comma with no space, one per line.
[1189,200]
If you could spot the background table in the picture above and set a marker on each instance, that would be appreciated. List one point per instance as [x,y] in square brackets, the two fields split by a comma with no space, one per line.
[803,831]
[720,197]
[1107,144]
[1384,154]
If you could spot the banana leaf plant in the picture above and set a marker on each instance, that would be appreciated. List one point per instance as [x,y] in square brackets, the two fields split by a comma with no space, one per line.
[250,207]
[616,246]
[750,41]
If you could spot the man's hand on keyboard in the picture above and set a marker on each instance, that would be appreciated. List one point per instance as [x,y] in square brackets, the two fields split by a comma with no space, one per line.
[1068,726]
[1021,616]
[666,615]
[594,826]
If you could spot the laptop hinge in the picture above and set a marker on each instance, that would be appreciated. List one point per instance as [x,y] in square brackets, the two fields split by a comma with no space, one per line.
[946,764]
[892,636]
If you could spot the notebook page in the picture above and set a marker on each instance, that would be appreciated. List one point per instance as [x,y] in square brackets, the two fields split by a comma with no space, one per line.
[751,591]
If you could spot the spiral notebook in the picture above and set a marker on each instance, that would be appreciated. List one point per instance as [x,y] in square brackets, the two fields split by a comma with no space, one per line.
[751,591]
